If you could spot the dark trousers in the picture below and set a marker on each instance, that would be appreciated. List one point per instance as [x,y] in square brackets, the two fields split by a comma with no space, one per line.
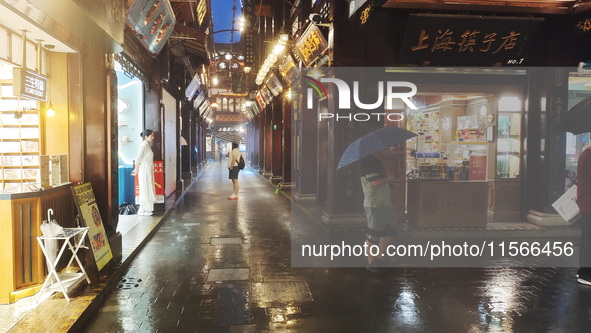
[585,247]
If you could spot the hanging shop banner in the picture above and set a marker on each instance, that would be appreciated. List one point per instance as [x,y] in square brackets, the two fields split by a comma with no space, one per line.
[274,85]
[153,21]
[208,112]
[288,70]
[198,100]
[468,40]
[158,183]
[267,95]
[311,45]
[193,87]
[201,11]
[202,108]
[260,100]
[28,84]
[91,218]
[253,108]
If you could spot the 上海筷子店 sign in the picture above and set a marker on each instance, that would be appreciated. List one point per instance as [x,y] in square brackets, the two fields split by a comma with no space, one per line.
[468,40]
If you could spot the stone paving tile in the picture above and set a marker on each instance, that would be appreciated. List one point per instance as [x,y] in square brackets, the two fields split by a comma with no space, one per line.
[176,294]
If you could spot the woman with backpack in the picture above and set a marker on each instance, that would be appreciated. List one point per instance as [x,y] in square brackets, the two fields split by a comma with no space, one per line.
[234,158]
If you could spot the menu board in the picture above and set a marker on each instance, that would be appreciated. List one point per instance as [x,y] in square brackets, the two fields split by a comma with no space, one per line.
[91,218]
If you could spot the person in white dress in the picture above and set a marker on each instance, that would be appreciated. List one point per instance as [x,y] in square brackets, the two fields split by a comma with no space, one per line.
[144,169]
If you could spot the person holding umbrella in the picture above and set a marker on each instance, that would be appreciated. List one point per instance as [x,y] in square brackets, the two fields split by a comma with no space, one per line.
[369,149]
[377,205]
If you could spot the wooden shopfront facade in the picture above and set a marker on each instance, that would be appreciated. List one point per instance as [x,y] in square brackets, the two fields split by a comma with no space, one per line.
[506,68]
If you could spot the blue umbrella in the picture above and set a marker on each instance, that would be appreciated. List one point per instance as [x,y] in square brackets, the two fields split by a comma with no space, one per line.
[375,141]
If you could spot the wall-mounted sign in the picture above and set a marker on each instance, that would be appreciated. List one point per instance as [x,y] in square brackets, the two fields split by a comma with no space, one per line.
[311,44]
[267,95]
[201,11]
[225,118]
[274,84]
[203,107]
[288,70]
[193,86]
[260,100]
[153,21]
[208,112]
[468,40]
[198,100]
[28,84]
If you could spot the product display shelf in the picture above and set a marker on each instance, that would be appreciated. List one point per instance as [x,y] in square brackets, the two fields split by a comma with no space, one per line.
[508,154]
[20,143]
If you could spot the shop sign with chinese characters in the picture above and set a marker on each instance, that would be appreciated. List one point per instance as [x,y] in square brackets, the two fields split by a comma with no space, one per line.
[91,218]
[28,84]
[311,45]
[468,40]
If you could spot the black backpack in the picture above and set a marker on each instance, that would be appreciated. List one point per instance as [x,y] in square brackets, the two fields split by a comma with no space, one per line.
[241,163]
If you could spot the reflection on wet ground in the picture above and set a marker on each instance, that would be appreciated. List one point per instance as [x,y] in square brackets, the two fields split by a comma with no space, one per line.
[218,265]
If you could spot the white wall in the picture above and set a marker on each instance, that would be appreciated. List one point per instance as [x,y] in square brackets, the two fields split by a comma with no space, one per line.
[170,143]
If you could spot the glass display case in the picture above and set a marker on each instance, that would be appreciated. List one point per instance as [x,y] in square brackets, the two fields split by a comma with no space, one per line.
[468,160]
[508,145]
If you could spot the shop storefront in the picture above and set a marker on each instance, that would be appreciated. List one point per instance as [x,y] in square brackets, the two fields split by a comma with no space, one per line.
[467,157]
[130,111]
[34,154]
[53,126]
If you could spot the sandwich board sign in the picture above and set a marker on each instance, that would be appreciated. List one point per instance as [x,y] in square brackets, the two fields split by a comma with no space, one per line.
[91,218]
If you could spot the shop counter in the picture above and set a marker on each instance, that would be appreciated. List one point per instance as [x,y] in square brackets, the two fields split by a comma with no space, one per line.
[21,258]
[434,203]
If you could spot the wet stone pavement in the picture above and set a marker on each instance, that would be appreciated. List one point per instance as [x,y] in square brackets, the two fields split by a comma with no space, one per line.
[217,265]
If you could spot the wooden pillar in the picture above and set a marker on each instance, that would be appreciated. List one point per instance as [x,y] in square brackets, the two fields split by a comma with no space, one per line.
[286,135]
[305,149]
[268,144]
[277,140]
[186,133]
[261,152]
[253,142]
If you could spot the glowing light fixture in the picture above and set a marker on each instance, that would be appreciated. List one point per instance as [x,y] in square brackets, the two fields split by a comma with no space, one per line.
[50,111]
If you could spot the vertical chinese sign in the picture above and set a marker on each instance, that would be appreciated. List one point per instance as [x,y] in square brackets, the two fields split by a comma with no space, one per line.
[90,216]
[311,45]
